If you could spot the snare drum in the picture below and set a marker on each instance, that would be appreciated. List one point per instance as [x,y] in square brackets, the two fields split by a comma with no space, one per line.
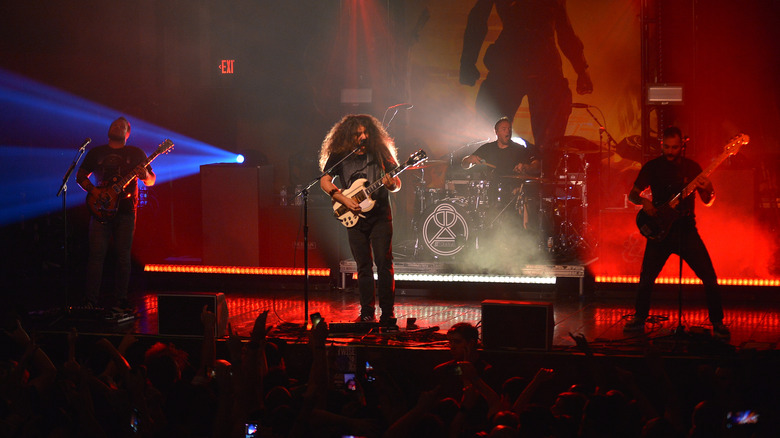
[447,228]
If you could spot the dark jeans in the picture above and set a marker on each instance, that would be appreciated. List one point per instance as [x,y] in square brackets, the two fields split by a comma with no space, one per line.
[121,229]
[374,234]
[695,255]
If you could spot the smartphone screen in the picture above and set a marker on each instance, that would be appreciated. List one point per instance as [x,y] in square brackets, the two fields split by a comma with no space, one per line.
[134,420]
[251,430]
[738,418]
[349,382]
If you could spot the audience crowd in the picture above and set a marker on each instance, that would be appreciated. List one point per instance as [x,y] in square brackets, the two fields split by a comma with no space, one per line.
[154,389]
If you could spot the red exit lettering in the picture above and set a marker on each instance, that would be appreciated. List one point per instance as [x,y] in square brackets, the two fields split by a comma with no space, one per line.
[227,66]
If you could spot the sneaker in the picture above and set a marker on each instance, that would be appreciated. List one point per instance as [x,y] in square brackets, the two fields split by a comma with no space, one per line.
[388,321]
[366,318]
[720,331]
[634,325]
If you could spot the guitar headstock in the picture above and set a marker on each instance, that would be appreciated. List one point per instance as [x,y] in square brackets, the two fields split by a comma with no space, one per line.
[733,147]
[164,147]
[416,158]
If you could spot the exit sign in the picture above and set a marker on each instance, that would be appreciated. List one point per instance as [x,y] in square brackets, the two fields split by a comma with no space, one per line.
[226,66]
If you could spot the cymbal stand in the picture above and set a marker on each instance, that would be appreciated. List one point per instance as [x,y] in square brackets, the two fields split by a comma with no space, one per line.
[610,141]
[570,237]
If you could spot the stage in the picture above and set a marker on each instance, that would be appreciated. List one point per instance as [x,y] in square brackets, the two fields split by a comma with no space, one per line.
[752,313]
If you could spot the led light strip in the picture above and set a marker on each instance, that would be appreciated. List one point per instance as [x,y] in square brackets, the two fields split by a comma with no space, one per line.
[470,278]
[241,270]
[688,280]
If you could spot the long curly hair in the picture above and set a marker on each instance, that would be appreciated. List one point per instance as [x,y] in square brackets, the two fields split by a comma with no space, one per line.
[340,139]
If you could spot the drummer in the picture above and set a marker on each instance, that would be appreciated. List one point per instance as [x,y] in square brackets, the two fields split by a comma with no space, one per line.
[506,163]
[504,157]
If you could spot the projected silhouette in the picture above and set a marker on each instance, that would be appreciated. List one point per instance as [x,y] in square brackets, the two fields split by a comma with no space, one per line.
[524,61]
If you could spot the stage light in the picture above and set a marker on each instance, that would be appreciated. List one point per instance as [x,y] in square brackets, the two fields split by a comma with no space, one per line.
[236,270]
[519,140]
[239,158]
[759,282]
[470,278]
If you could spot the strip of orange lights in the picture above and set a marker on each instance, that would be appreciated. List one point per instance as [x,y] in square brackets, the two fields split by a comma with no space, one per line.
[689,280]
[239,270]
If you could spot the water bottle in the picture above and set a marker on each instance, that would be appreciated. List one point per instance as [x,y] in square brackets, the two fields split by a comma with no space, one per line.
[283,196]
[299,198]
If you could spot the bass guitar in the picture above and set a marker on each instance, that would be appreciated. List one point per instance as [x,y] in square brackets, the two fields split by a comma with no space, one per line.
[657,227]
[104,204]
[361,192]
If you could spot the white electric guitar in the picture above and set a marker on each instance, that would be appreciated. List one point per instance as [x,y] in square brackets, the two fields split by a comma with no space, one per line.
[361,192]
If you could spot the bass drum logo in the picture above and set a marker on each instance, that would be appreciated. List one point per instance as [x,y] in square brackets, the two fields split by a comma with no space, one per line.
[445,230]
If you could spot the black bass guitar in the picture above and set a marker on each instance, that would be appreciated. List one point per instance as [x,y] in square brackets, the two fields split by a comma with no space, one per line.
[657,227]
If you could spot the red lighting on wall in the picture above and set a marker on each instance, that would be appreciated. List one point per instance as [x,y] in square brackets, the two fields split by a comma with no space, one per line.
[240,270]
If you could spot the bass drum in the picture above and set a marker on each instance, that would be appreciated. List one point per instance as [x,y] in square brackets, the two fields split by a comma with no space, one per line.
[446,229]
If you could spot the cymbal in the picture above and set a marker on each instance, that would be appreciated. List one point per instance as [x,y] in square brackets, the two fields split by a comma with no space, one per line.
[428,163]
[573,144]
[574,150]
[527,178]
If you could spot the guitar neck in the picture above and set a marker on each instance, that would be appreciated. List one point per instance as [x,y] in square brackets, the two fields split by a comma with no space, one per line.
[376,185]
[706,172]
[122,183]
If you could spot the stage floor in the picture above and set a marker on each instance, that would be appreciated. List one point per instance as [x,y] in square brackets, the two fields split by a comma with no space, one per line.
[754,321]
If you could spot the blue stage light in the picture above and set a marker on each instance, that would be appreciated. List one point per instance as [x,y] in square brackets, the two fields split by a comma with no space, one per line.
[42,129]
[239,158]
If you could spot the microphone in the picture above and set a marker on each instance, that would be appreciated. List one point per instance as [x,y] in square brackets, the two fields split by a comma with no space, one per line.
[86,142]
[580,105]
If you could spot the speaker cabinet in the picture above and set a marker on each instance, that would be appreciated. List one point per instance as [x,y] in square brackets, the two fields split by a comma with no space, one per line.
[179,313]
[232,224]
[517,325]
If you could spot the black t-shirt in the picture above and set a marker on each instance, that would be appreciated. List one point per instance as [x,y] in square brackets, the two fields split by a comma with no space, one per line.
[507,158]
[109,165]
[362,166]
[666,178]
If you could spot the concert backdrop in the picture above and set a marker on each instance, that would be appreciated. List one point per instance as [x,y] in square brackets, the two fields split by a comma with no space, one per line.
[266,79]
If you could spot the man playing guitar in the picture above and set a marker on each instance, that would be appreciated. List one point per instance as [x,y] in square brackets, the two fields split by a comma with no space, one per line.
[666,176]
[373,232]
[108,163]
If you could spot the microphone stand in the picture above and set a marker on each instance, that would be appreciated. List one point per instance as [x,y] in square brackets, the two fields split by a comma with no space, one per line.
[63,190]
[680,329]
[305,194]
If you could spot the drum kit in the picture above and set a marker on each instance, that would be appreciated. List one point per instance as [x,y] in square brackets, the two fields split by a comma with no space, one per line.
[452,222]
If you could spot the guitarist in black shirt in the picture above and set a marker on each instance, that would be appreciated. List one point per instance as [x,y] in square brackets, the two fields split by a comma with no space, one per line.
[666,176]
[108,163]
[373,232]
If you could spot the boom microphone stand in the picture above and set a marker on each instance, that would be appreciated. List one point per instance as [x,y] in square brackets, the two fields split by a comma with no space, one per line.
[63,190]
[305,194]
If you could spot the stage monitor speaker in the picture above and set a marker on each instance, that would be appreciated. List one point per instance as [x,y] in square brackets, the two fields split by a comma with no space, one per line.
[517,325]
[179,313]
